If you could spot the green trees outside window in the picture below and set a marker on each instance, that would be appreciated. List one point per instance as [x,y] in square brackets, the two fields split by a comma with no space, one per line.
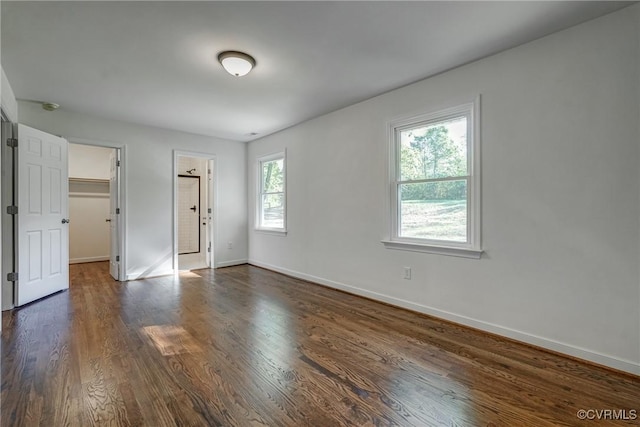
[433,181]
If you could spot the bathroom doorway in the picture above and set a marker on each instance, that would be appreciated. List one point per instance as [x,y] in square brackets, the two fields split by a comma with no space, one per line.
[194,205]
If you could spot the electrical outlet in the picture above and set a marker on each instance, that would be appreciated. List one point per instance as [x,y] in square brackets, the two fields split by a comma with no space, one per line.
[230,245]
[407,273]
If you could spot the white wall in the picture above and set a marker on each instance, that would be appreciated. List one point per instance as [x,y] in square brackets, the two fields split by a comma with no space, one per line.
[8,99]
[89,233]
[148,170]
[560,182]
[88,161]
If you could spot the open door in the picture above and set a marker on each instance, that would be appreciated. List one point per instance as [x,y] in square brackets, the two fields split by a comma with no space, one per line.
[114,215]
[42,215]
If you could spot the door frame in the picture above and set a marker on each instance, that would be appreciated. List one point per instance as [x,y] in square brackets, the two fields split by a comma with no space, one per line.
[8,224]
[212,193]
[122,195]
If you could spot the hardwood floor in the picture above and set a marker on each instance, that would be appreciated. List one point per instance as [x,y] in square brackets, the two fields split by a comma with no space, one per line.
[244,346]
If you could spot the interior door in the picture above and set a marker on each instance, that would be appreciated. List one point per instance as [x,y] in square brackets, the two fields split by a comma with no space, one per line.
[114,208]
[43,206]
[188,214]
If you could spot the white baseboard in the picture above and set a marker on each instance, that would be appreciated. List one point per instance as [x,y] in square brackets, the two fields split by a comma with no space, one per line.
[231,263]
[568,349]
[88,259]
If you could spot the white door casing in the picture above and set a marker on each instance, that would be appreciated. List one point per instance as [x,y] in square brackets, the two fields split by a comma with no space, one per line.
[8,246]
[43,232]
[114,217]
[209,214]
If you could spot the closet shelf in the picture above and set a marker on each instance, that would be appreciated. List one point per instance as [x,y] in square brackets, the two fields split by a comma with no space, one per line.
[89,180]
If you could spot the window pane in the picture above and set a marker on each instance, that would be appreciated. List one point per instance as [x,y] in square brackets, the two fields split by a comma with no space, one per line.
[438,150]
[434,210]
[272,210]
[273,176]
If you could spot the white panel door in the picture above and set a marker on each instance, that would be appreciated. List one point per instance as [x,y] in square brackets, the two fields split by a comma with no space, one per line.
[188,214]
[114,259]
[43,205]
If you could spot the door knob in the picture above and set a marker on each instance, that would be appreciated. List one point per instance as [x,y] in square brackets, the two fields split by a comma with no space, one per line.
[107,220]
[193,208]
[65,220]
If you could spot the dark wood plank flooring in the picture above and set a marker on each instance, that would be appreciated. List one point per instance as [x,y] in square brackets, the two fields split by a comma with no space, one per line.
[243,346]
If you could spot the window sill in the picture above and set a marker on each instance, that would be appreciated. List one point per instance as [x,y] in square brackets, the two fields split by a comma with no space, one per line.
[430,249]
[272,231]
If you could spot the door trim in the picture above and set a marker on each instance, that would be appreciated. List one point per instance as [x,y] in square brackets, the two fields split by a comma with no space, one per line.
[9,129]
[212,190]
[122,195]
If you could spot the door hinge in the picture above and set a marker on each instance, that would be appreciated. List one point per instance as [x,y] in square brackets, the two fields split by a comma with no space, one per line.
[117,258]
[12,142]
[118,163]
[209,210]
[209,248]
[117,211]
[12,210]
[12,277]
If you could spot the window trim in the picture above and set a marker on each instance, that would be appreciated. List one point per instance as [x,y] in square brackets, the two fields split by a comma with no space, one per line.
[472,247]
[258,224]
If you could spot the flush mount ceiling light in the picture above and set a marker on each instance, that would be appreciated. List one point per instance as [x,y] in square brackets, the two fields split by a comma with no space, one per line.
[46,105]
[236,63]
[50,106]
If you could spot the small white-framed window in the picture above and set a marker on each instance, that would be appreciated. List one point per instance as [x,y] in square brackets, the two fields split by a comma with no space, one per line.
[272,195]
[435,182]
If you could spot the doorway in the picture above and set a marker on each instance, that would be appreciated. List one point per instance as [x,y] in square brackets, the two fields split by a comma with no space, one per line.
[89,203]
[21,171]
[97,198]
[193,207]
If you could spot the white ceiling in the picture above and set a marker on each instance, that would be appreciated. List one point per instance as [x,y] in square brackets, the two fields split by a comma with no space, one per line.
[155,63]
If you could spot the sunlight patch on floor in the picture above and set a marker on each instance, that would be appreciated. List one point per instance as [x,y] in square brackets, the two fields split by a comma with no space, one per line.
[187,273]
[171,340]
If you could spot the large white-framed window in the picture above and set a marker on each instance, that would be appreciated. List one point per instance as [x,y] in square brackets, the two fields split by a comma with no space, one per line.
[272,195]
[435,182]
